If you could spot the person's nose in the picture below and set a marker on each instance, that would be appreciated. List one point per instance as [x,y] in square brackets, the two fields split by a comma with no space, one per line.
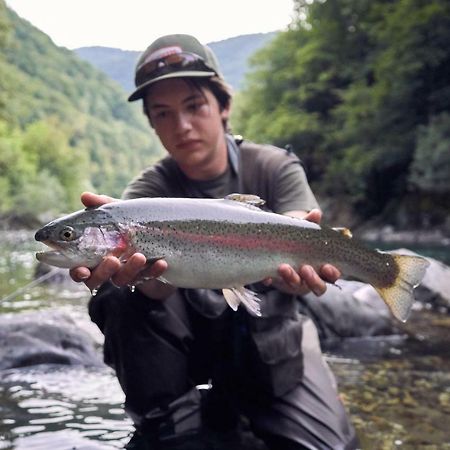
[183,122]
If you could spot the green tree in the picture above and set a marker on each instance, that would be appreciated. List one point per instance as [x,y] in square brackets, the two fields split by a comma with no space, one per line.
[409,67]
[39,171]
[430,170]
[348,85]
[46,144]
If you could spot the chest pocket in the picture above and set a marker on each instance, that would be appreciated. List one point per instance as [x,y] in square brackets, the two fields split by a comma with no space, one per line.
[279,356]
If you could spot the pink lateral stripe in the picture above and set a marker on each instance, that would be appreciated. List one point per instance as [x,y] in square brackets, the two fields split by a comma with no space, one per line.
[244,242]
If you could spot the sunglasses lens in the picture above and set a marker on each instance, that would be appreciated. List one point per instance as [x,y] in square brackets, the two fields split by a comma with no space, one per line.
[170,63]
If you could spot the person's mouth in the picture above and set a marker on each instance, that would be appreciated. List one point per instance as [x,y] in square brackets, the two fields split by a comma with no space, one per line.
[188,143]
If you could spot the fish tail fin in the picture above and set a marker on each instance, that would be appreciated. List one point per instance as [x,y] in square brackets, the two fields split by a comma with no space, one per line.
[399,296]
[236,296]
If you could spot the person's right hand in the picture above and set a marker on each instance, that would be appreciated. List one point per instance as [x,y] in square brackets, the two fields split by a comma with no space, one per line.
[134,271]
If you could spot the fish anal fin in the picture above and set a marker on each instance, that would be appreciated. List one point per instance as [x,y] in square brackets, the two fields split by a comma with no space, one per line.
[236,296]
[231,298]
[400,295]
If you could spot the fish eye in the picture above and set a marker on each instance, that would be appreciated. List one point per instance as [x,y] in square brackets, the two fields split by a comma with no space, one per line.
[67,234]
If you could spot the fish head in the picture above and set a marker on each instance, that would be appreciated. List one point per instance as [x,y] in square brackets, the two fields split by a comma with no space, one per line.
[82,238]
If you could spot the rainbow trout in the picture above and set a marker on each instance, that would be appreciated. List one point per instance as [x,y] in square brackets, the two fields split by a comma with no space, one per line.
[223,244]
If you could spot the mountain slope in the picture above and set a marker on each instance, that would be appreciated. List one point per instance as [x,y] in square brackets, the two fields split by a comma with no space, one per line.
[233,55]
[39,80]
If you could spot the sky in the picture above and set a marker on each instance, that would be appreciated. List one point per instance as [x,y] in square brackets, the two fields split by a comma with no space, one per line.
[134,24]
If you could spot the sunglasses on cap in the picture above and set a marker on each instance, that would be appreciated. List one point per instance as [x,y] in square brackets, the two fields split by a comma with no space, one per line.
[174,62]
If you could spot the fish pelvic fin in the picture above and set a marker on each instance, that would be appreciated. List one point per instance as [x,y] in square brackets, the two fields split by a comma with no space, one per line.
[236,296]
[399,296]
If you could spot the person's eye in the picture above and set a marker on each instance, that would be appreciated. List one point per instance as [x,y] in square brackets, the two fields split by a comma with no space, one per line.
[193,106]
[197,107]
[159,115]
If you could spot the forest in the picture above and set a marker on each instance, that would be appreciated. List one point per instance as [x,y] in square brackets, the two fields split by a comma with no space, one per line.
[64,126]
[359,89]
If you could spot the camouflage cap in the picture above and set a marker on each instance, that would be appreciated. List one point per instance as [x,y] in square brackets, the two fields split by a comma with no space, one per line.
[198,61]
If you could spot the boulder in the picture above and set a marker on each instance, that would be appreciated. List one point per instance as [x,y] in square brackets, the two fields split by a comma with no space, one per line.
[435,287]
[353,309]
[348,309]
[44,337]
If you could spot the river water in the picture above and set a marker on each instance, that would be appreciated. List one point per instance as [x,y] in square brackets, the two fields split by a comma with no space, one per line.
[396,389]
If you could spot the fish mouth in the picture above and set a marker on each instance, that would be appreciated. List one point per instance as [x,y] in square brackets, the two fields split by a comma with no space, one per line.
[55,258]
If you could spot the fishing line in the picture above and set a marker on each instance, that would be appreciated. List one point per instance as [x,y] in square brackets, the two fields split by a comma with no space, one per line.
[33,283]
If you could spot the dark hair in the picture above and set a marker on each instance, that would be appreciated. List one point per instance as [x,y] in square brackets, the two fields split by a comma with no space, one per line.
[218,87]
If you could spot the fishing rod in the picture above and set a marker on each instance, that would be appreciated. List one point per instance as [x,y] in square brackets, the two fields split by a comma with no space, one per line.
[32,284]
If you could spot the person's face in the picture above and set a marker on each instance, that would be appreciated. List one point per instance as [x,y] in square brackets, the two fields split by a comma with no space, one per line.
[189,124]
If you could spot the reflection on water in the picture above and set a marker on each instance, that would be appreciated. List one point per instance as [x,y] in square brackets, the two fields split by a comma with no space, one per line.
[53,406]
[396,389]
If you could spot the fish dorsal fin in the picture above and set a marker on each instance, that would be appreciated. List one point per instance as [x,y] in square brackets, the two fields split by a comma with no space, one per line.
[344,231]
[248,200]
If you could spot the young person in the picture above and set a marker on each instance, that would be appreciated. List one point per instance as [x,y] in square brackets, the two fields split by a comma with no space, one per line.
[193,371]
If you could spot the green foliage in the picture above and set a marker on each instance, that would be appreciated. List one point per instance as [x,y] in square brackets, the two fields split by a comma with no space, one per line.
[431,165]
[39,171]
[75,124]
[350,85]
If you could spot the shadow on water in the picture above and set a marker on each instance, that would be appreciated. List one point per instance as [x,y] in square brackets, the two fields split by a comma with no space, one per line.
[396,388]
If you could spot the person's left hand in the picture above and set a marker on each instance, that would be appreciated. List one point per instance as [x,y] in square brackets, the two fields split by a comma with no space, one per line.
[305,279]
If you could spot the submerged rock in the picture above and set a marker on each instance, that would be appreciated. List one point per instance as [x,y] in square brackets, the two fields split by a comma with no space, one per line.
[44,337]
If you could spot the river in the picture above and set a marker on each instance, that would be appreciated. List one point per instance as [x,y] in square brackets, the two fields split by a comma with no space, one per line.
[396,389]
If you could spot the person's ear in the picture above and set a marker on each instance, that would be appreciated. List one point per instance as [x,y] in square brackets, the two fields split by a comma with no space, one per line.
[225,112]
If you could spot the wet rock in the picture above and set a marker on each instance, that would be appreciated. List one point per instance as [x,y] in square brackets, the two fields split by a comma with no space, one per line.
[435,286]
[350,309]
[356,309]
[44,337]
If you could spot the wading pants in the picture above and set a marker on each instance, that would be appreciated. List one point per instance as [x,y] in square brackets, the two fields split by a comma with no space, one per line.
[162,350]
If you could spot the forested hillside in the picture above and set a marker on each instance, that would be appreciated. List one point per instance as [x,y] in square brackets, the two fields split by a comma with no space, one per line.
[233,55]
[117,64]
[361,90]
[64,125]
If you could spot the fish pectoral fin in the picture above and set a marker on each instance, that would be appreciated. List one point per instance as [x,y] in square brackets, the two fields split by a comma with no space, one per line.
[236,296]
[248,200]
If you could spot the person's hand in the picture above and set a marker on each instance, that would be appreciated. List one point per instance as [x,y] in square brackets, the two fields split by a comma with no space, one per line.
[133,272]
[305,279]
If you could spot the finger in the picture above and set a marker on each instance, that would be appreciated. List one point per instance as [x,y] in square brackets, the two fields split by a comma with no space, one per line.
[312,280]
[151,271]
[89,199]
[157,268]
[330,273]
[103,272]
[79,274]
[129,271]
[315,215]
[289,276]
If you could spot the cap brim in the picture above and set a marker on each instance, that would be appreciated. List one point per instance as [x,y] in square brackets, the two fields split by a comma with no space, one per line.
[139,92]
